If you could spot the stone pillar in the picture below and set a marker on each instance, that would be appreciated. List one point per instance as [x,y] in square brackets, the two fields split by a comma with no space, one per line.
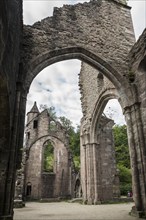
[90,174]
[137,155]
[87,169]
[11,172]
[96,197]
[19,184]
[85,175]
[88,166]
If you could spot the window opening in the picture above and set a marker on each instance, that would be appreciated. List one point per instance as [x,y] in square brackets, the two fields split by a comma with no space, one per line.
[28,189]
[48,164]
[35,124]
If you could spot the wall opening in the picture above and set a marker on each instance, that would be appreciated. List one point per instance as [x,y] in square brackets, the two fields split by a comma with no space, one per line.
[35,124]
[28,189]
[122,157]
[48,157]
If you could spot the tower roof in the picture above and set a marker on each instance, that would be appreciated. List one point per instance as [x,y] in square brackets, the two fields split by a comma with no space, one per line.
[34,109]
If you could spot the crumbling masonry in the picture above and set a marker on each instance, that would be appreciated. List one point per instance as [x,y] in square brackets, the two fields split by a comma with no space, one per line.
[35,183]
[39,183]
[99,33]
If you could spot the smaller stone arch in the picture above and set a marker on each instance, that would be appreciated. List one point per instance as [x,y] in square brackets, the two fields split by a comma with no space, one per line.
[96,141]
[100,105]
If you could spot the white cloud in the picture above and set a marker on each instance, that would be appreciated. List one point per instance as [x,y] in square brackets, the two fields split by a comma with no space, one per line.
[57,85]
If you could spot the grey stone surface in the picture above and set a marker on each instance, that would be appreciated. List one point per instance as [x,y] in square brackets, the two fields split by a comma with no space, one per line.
[99,33]
[75,32]
[10,37]
[63,182]
[59,182]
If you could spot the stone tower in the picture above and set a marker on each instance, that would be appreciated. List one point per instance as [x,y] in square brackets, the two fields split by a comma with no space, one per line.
[32,113]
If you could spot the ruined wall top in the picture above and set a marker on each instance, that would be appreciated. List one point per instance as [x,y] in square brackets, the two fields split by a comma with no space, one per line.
[84,31]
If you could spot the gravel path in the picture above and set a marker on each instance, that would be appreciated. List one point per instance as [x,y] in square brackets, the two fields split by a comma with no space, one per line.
[73,211]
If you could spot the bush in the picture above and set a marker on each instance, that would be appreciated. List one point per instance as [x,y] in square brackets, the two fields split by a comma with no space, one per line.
[77,163]
[125,187]
[125,179]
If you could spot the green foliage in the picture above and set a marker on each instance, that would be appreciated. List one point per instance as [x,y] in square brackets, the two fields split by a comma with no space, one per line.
[66,123]
[125,179]
[74,140]
[48,157]
[124,174]
[121,145]
[77,163]
[123,158]
[124,188]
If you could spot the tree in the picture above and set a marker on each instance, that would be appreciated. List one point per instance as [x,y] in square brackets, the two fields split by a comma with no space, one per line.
[74,140]
[66,123]
[121,145]
[122,158]
[125,179]
[48,157]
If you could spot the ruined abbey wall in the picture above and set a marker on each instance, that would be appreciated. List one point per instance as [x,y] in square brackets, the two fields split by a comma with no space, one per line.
[108,188]
[86,32]
[91,79]
[40,129]
[75,32]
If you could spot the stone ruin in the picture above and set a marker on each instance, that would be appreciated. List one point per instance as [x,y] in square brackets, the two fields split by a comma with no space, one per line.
[85,32]
[61,182]
[39,183]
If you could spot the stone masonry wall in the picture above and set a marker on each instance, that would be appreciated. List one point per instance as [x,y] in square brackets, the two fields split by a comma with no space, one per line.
[10,37]
[75,28]
[45,184]
[137,70]
[107,161]
[84,31]
[90,79]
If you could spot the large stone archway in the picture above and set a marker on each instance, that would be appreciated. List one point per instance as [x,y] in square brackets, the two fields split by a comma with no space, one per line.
[86,32]
[82,31]
[75,32]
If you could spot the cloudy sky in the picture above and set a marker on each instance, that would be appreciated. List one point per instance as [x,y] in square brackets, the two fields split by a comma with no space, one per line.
[57,85]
